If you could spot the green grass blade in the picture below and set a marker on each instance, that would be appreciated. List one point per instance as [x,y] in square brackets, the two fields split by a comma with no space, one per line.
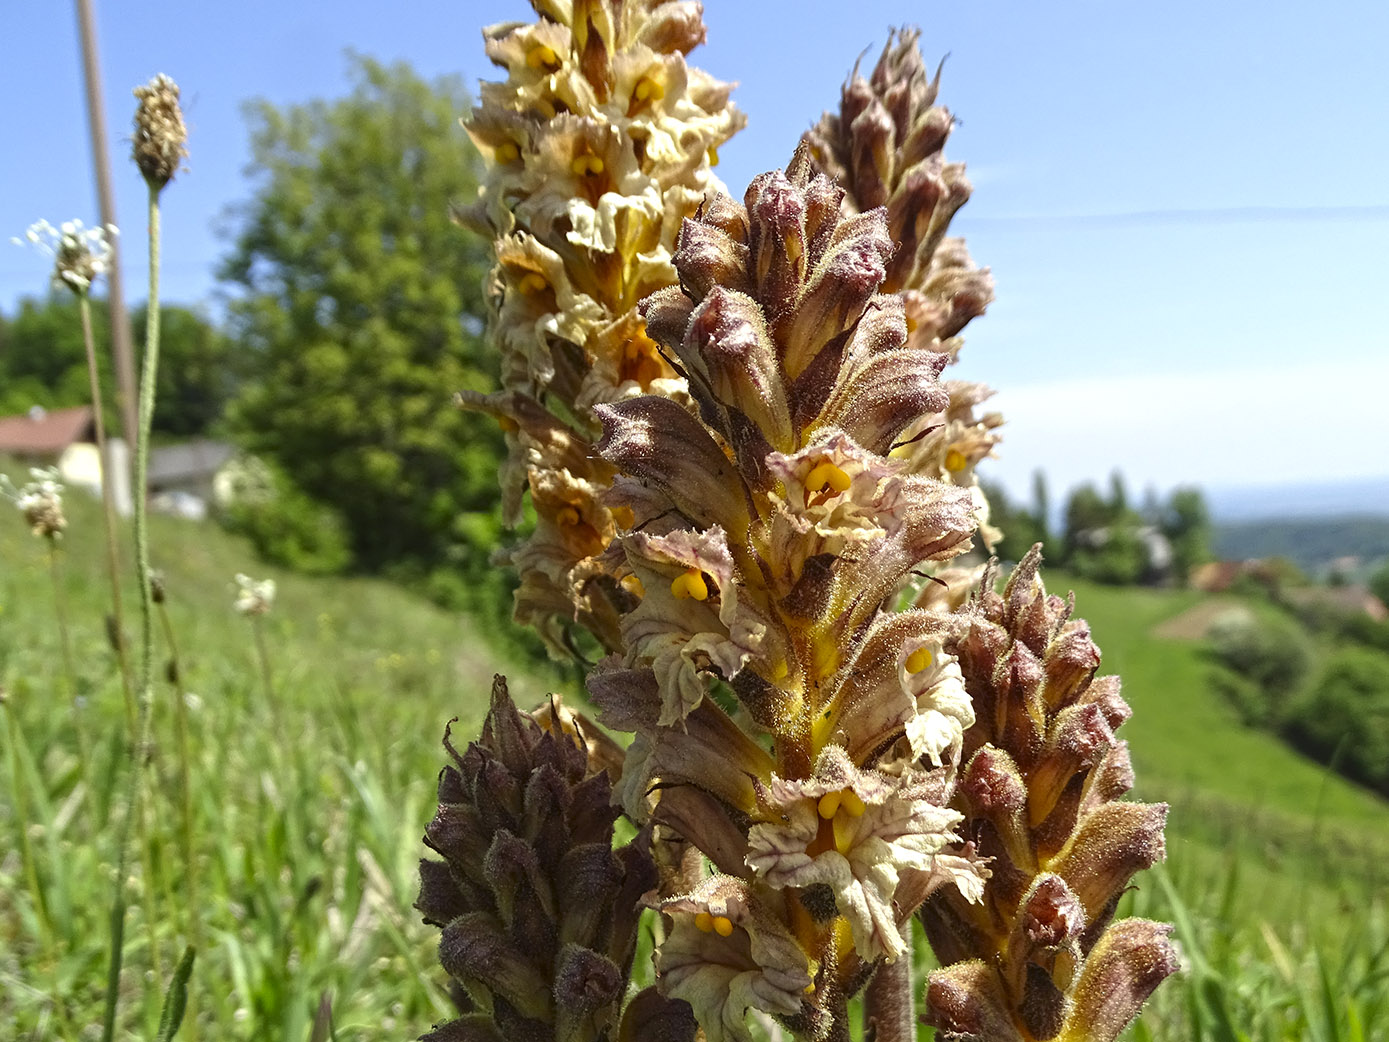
[176,998]
[323,1021]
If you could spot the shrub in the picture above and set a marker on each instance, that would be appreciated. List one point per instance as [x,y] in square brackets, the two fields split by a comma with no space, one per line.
[1344,718]
[1271,654]
[285,526]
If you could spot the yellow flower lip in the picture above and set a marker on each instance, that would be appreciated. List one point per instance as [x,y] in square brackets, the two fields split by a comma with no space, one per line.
[690,585]
[955,461]
[632,584]
[825,474]
[719,924]
[532,282]
[918,660]
[542,58]
[648,89]
[839,809]
[829,804]
[587,165]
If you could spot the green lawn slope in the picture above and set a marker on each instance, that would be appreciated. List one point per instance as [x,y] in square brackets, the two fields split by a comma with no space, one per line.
[1276,868]
[305,803]
[298,836]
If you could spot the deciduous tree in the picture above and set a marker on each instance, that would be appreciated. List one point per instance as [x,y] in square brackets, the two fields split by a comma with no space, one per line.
[357,297]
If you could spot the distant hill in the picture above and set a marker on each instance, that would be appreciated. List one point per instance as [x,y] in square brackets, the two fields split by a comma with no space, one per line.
[1363,497]
[1310,542]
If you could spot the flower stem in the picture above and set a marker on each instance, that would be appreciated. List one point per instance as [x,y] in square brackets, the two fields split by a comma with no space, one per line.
[889,1003]
[193,925]
[148,373]
[108,506]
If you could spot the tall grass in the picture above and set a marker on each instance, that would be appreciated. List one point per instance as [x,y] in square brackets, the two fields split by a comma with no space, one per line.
[304,815]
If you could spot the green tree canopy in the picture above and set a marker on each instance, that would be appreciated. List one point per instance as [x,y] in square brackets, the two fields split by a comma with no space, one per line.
[1186,522]
[43,362]
[356,296]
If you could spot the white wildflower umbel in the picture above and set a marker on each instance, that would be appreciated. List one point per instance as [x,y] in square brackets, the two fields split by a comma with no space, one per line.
[80,255]
[254,597]
[40,501]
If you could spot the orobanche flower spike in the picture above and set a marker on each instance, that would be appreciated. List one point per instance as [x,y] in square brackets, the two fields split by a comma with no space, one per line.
[1040,958]
[602,140]
[751,483]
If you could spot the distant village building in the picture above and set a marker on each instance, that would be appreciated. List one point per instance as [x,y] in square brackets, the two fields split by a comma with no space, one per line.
[1220,576]
[1158,557]
[180,476]
[66,439]
[41,436]
[1345,600]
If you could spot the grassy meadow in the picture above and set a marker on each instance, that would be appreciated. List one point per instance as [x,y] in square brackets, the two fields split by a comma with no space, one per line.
[283,810]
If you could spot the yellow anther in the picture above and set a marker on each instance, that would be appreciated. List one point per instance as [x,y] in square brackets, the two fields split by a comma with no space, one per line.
[585,165]
[918,660]
[705,922]
[690,584]
[829,804]
[507,152]
[507,424]
[826,473]
[853,804]
[532,282]
[648,89]
[542,57]
[955,461]
[632,584]
[567,516]
[809,989]
[713,156]
[723,926]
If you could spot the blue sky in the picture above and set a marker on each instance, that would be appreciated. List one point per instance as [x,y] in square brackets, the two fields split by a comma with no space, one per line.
[1185,205]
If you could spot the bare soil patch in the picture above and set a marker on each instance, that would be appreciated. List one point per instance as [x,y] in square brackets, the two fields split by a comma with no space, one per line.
[1196,621]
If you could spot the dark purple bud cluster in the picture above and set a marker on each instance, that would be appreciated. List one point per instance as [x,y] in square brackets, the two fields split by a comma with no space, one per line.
[1040,956]
[538,911]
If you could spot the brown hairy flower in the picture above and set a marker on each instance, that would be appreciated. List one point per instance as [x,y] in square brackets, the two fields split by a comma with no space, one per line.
[160,139]
[1040,792]
[730,416]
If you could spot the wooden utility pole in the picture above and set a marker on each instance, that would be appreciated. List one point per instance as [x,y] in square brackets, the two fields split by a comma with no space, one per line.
[106,200]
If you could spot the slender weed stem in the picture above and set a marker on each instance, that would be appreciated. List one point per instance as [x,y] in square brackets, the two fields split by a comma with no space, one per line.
[263,657]
[148,374]
[108,506]
[192,905]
